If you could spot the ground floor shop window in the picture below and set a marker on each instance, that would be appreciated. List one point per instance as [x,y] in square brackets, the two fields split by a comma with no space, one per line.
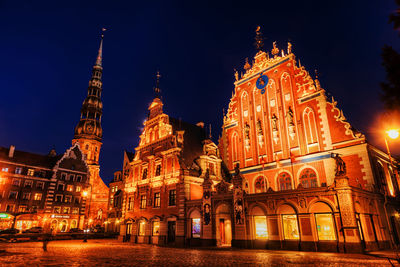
[196,227]
[142,226]
[156,228]
[63,225]
[73,224]
[260,223]
[325,226]
[290,227]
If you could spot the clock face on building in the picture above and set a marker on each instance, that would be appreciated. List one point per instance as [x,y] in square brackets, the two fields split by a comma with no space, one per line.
[261,83]
[89,128]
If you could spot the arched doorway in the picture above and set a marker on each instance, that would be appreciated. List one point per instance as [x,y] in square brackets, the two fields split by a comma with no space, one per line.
[63,226]
[223,225]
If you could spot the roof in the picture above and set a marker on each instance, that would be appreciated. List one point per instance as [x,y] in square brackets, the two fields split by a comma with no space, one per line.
[192,140]
[28,158]
[130,155]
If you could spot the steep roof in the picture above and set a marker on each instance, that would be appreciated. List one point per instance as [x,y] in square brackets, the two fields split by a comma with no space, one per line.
[192,140]
[28,158]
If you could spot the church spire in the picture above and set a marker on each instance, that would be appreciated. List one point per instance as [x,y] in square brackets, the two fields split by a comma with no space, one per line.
[89,126]
[157,90]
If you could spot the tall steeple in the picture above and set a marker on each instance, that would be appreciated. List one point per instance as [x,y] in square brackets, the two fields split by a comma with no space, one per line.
[88,132]
[155,107]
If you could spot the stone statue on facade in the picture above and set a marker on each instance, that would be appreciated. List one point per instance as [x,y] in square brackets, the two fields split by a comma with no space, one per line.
[289,116]
[274,120]
[340,166]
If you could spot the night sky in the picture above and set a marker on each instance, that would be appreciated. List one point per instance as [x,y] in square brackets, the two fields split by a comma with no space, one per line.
[47,52]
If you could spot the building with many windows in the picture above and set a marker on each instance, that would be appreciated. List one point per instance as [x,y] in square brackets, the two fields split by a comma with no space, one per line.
[42,190]
[298,175]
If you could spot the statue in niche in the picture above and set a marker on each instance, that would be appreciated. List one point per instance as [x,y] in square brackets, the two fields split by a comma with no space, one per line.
[236,75]
[247,131]
[239,211]
[259,128]
[207,214]
[289,116]
[340,166]
[274,120]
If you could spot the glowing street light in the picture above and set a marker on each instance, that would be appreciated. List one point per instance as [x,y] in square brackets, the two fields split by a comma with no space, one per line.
[84,193]
[394,133]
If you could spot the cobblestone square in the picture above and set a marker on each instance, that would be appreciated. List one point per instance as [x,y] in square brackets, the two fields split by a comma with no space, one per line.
[113,253]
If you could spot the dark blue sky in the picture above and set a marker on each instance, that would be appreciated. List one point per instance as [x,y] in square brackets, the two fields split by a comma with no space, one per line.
[47,51]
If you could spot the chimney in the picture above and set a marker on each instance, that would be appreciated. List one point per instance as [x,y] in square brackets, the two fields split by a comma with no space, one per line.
[11,151]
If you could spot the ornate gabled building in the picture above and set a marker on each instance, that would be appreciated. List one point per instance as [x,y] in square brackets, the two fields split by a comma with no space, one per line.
[168,169]
[310,180]
[88,133]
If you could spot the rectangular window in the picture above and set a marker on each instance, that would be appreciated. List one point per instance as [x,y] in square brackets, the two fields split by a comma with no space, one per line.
[40,185]
[71,177]
[59,198]
[157,200]
[22,208]
[57,210]
[13,195]
[79,178]
[26,196]
[78,188]
[37,196]
[68,199]
[70,188]
[290,227]
[18,170]
[75,210]
[144,174]
[130,203]
[260,223]
[156,228]
[158,170]
[9,208]
[60,187]
[172,198]
[325,226]
[196,227]
[31,172]
[66,210]
[143,201]
[28,183]
[63,176]
[111,201]
[16,182]
[35,208]
[142,227]
[4,169]
[77,200]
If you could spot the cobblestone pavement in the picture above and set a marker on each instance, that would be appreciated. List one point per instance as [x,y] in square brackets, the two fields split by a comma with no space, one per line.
[113,253]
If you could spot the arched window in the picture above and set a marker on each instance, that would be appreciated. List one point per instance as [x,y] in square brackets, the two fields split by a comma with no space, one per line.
[260,185]
[308,178]
[235,151]
[310,126]
[284,181]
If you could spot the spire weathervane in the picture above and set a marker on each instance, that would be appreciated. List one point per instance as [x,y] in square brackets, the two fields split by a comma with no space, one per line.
[259,43]
[157,90]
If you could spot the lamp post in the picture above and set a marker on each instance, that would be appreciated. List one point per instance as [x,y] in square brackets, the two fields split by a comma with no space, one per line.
[85,193]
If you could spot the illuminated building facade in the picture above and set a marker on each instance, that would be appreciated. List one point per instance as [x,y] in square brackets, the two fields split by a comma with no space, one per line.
[88,133]
[299,176]
[42,190]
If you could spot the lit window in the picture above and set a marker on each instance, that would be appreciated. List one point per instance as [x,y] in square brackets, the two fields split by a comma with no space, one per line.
[143,201]
[196,227]
[18,170]
[37,196]
[172,198]
[70,187]
[142,226]
[325,226]
[31,172]
[22,208]
[78,188]
[75,210]
[156,228]
[157,199]
[4,169]
[66,210]
[260,223]
[290,227]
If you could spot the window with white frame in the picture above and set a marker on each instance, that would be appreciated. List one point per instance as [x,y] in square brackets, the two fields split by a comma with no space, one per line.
[18,170]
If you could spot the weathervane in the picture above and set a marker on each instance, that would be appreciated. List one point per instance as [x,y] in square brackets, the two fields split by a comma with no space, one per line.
[259,44]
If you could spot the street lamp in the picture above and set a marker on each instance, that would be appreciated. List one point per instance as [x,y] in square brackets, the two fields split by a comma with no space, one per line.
[85,194]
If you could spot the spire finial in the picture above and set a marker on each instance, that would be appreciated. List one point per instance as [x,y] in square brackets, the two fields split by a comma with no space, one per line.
[210,135]
[259,43]
[100,54]
[157,88]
